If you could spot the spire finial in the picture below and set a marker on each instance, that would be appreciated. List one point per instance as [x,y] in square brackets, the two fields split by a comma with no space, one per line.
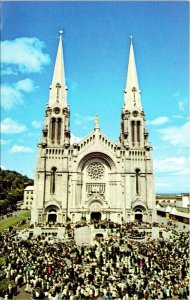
[61,33]
[131,38]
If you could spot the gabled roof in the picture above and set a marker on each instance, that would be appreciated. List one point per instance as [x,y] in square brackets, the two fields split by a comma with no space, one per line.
[99,138]
[29,188]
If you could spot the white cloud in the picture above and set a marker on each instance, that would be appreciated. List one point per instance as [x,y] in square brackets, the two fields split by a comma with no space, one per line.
[8,71]
[25,85]
[2,167]
[158,121]
[4,142]
[177,135]
[177,117]
[37,124]
[172,174]
[175,165]
[21,149]
[182,104]
[13,95]
[10,126]
[75,139]
[24,55]
[10,97]
[83,120]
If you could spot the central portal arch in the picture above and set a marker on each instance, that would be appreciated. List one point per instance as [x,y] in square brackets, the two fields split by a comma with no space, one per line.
[139,211]
[95,209]
[51,212]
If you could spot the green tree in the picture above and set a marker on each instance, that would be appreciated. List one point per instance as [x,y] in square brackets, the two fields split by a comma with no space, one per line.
[12,185]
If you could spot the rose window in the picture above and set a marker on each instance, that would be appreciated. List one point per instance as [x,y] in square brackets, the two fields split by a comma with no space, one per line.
[95,170]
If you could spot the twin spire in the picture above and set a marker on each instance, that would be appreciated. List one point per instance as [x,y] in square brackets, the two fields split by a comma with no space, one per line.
[132,93]
[58,89]
[132,98]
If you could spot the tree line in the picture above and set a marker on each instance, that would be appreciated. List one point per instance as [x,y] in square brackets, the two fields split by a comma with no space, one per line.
[12,185]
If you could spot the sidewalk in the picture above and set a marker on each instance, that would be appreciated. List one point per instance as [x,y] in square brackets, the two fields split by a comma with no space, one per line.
[179,226]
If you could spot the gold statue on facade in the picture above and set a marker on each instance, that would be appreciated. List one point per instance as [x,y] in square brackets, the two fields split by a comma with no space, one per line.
[96,125]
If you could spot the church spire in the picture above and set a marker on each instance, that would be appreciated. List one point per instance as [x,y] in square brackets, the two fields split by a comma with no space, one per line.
[132,93]
[58,89]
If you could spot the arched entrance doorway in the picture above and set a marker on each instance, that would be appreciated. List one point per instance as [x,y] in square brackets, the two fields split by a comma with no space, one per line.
[139,212]
[52,216]
[138,215]
[95,216]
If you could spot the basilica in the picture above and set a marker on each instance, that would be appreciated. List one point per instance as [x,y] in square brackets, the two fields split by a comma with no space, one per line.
[94,179]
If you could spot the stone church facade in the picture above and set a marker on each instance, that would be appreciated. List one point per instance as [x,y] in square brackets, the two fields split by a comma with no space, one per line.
[95,178]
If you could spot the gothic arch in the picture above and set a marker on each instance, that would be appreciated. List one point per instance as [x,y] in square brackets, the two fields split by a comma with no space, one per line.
[97,155]
[51,207]
[139,206]
[139,211]
[96,201]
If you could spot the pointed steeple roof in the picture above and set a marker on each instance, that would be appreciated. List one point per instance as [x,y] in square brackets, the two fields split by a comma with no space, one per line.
[58,89]
[132,92]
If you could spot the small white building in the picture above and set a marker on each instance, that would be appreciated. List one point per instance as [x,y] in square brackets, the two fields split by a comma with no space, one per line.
[28,197]
[183,200]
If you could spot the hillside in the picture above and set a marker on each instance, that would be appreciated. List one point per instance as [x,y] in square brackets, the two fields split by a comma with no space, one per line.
[12,185]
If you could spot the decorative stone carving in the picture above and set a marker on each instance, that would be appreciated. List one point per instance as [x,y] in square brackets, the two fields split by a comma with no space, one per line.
[95,206]
[95,170]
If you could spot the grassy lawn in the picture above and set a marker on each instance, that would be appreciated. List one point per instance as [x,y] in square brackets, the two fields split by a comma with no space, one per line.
[11,221]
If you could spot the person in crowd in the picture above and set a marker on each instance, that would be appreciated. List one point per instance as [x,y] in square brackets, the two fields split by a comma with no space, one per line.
[115,268]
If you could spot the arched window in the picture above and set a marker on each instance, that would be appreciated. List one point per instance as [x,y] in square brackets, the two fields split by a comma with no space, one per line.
[53,122]
[52,183]
[137,181]
[59,121]
[138,131]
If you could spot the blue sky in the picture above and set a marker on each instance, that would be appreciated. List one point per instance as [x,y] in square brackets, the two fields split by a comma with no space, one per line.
[96,48]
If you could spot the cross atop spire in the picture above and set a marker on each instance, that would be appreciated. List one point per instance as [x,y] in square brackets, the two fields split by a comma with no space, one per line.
[131,38]
[61,33]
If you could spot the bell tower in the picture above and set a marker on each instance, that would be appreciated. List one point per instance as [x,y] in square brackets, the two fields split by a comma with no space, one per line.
[56,130]
[51,176]
[139,179]
[133,124]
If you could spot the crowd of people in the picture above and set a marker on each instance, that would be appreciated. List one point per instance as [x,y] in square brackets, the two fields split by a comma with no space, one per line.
[115,268]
